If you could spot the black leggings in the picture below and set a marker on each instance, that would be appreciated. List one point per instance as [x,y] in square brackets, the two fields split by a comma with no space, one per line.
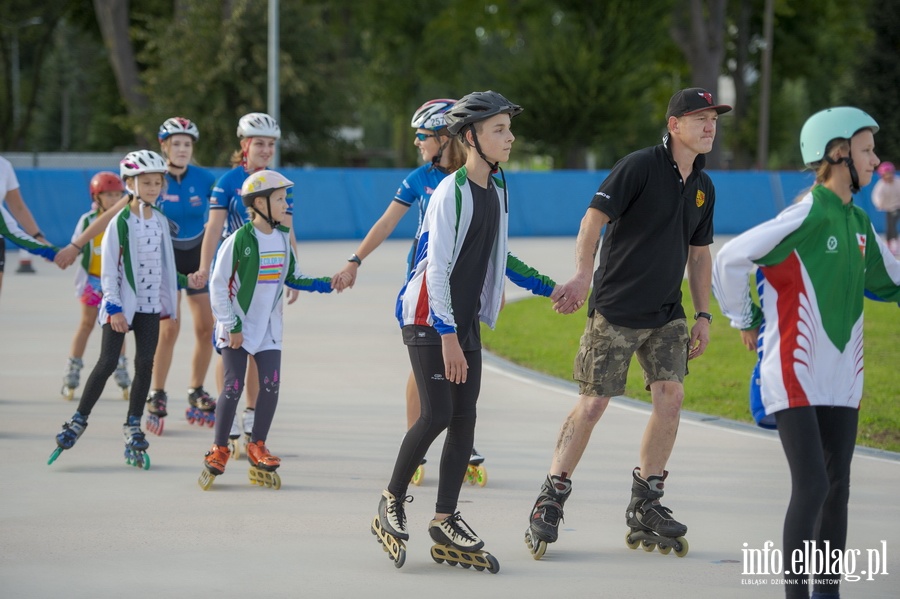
[818,442]
[146,335]
[445,406]
[268,365]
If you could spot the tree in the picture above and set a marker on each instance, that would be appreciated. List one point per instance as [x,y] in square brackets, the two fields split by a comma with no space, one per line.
[698,27]
[115,25]
[877,77]
[28,31]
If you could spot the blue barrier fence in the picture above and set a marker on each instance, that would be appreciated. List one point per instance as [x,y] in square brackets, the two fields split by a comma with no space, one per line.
[343,203]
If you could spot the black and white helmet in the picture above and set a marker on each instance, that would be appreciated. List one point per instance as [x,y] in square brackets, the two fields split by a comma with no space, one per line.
[258,124]
[177,126]
[476,107]
[140,162]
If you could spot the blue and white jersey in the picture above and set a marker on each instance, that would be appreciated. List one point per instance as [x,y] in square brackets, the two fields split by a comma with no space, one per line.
[418,187]
[186,203]
[226,195]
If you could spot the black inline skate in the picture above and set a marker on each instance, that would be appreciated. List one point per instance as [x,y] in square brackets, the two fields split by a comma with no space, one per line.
[547,514]
[202,408]
[70,433]
[389,526]
[136,444]
[156,411]
[651,523]
[457,543]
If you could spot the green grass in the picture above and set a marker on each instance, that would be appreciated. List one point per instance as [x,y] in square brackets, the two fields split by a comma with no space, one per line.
[530,333]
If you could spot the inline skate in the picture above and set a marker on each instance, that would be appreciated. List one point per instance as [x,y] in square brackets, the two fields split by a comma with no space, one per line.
[475,473]
[547,513]
[234,445]
[457,543]
[156,411]
[135,444]
[651,524]
[263,466]
[71,378]
[121,376]
[202,409]
[419,475]
[70,433]
[389,526]
[213,466]
[248,419]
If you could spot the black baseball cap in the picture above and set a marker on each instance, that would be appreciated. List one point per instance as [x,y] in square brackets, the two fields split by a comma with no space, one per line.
[691,100]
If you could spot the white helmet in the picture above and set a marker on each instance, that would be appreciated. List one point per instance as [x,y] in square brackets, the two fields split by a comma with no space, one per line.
[258,124]
[430,115]
[177,125]
[262,184]
[140,162]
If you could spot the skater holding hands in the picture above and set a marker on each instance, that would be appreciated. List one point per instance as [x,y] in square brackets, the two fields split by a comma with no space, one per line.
[185,202]
[253,265]
[443,154]
[817,259]
[140,286]
[106,190]
[657,206]
[456,283]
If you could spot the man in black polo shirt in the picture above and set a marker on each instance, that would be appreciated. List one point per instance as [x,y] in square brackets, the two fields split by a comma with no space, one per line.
[657,205]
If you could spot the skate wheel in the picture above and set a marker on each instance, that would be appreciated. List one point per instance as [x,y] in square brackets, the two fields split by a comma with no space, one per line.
[54,455]
[125,394]
[401,558]
[206,480]
[681,547]
[648,546]
[276,481]
[465,565]
[418,476]
[480,476]
[235,448]
[536,546]
[665,549]
[632,543]
[494,566]
[67,393]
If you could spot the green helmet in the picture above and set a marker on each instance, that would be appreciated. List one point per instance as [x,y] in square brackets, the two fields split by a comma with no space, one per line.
[840,122]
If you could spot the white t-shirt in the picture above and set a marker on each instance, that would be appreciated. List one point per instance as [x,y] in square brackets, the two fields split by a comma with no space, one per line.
[272,261]
[886,196]
[8,181]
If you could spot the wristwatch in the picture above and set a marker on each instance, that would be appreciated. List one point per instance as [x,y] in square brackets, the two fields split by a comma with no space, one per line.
[705,315]
[355,258]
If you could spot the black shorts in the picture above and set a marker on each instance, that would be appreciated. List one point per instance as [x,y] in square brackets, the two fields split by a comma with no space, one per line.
[2,253]
[187,260]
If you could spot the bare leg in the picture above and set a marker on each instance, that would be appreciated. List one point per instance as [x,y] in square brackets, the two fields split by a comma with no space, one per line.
[83,332]
[576,432]
[203,328]
[662,427]
[162,361]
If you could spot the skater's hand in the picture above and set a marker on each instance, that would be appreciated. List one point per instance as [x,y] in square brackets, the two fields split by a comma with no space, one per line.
[118,323]
[235,340]
[345,278]
[699,338]
[456,369]
[66,256]
[570,296]
[292,295]
[200,278]
[749,338]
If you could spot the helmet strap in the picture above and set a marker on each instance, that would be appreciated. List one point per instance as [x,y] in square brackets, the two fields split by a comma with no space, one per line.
[854,175]
[436,159]
[268,216]
[493,165]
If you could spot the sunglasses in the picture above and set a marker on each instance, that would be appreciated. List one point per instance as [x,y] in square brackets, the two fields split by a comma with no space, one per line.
[424,136]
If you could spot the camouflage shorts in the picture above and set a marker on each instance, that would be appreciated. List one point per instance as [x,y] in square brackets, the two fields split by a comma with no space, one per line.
[601,366]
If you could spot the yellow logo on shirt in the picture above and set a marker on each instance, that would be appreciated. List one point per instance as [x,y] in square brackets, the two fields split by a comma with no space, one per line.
[701,198]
